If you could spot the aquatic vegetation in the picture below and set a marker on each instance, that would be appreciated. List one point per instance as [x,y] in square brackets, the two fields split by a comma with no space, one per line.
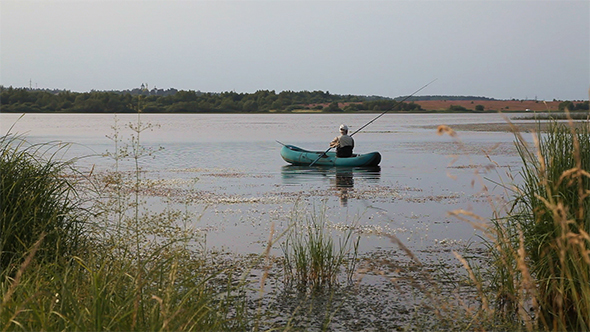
[552,249]
[537,275]
[312,260]
[539,263]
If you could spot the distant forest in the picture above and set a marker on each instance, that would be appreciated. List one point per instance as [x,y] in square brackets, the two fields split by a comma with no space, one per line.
[25,100]
[28,100]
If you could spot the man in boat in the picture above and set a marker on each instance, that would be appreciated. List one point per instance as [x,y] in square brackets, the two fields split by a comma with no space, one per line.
[343,143]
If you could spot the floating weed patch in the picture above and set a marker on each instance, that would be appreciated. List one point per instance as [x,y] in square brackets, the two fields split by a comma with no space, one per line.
[239,175]
[433,198]
[227,175]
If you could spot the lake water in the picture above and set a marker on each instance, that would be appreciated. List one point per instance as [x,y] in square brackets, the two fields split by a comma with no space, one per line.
[228,167]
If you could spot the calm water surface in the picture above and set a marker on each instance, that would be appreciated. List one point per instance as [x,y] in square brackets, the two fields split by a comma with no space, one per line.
[229,167]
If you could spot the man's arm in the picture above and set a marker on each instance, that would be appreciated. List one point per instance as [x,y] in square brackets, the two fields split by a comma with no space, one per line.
[334,143]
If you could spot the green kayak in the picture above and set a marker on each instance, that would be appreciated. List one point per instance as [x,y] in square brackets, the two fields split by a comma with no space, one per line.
[298,156]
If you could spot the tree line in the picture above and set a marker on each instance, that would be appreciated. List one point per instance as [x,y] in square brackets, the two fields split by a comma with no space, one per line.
[26,100]
[571,106]
[23,100]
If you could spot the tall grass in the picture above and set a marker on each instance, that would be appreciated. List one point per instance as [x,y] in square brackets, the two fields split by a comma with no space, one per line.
[538,272]
[36,198]
[312,260]
[99,292]
[542,248]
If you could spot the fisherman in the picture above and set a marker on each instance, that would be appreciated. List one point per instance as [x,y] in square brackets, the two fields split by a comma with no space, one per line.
[343,143]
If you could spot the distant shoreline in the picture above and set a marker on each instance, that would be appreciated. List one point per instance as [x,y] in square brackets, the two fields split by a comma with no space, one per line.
[527,115]
[292,112]
[541,126]
[22,100]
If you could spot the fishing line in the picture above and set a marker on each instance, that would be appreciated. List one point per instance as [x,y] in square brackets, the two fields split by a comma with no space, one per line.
[399,103]
[377,117]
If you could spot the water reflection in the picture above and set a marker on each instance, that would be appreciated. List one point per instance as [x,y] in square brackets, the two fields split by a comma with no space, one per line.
[340,179]
[344,182]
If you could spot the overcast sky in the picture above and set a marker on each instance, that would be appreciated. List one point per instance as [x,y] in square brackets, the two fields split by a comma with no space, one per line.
[499,49]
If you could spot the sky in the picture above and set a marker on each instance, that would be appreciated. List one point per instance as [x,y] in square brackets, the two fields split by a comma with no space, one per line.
[504,49]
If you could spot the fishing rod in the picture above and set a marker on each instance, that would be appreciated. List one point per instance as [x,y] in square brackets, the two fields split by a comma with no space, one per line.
[377,117]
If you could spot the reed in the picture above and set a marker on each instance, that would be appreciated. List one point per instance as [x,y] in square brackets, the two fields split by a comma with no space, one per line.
[553,213]
[311,257]
[538,268]
[542,248]
[36,197]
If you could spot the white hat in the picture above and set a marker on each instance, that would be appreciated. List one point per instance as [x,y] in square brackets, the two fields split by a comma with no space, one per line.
[343,127]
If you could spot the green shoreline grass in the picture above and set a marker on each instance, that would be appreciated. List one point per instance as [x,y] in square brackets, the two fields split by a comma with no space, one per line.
[36,202]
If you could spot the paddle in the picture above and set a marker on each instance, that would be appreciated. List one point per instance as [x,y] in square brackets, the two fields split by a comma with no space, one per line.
[368,123]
